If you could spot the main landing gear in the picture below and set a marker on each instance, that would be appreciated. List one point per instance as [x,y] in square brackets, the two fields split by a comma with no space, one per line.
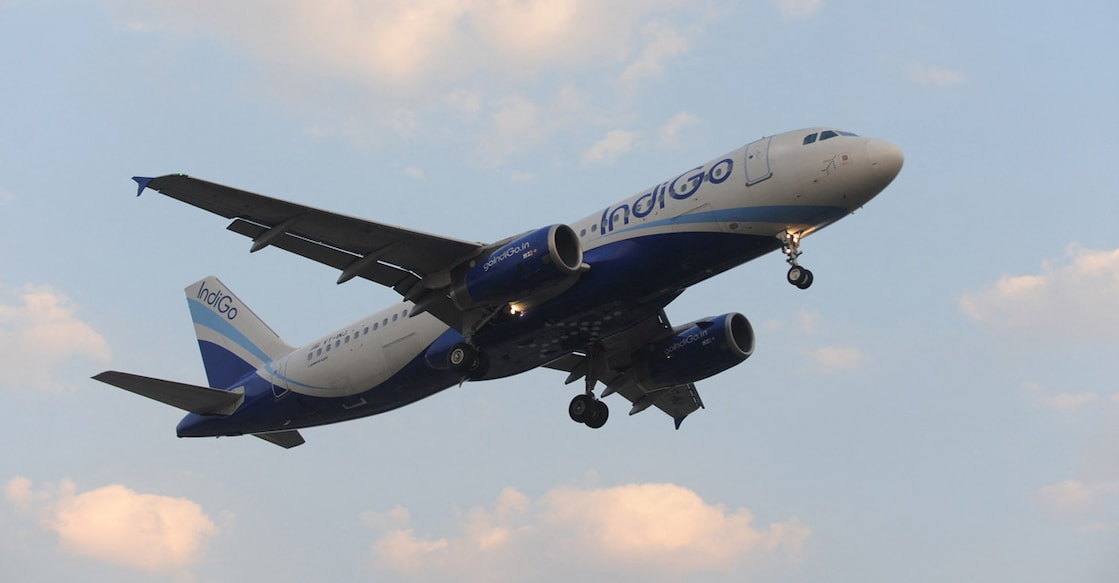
[586,408]
[468,361]
[790,245]
[589,411]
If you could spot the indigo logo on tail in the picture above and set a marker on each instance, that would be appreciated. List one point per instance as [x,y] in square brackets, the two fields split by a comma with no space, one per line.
[217,300]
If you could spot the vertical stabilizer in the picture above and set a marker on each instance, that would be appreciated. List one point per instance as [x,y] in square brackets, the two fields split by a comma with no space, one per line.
[233,340]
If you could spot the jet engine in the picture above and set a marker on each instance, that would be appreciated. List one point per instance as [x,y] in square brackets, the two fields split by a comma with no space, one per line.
[526,264]
[696,351]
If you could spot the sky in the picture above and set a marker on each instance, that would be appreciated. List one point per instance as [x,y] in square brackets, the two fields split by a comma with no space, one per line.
[941,405]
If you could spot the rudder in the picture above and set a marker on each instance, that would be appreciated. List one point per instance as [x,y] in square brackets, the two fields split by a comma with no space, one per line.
[233,340]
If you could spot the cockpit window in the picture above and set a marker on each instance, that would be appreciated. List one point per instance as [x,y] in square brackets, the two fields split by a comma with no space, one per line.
[826,135]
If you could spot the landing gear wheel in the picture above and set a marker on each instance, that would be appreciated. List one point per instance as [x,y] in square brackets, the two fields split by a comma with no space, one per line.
[796,274]
[463,357]
[806,280]
[580,408]
[599,414]
[589,411]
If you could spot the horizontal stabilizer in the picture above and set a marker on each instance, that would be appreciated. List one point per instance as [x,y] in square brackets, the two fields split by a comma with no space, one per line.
[192,398]
[285,439]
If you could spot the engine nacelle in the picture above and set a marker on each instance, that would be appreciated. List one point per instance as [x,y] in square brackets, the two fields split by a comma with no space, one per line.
[701,349]
[527,264]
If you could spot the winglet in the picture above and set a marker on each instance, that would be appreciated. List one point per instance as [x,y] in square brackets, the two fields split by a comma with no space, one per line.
[143,182]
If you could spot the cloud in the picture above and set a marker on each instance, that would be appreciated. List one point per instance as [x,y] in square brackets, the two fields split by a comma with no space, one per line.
[665,42]
[935,76]
[613,144]
[501,73]
[1075,298]
[655,531]
[837,358]
[406,43]
[1070,401]
[798,9]
[6,197]
[670,132]
[117,525]
[1089,504]
[39,334]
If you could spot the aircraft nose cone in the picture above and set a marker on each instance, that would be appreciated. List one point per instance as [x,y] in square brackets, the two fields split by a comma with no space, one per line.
[885,158]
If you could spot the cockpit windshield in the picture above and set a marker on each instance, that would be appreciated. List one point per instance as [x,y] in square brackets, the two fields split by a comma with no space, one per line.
[825,135]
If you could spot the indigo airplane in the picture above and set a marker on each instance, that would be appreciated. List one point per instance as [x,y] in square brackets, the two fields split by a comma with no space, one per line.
[587,298]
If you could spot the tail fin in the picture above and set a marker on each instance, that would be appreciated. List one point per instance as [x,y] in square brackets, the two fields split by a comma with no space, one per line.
[233,340]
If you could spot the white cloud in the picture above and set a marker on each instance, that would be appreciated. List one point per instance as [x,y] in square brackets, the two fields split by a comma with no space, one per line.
[935,76]
[1076,298]
[1065,401]
[1075,499]
[798,9]
[412,66]
[414,172]
[39,335]
[403,43]
[837,358]
[655,531]
[1070,401]
[665,42]
[672,129]
[117,525]
[610,147]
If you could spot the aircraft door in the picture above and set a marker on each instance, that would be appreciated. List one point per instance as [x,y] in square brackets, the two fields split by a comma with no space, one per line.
[757,161]
[280,387]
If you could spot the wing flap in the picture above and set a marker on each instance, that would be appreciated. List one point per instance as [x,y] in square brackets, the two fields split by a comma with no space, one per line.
[377,272]
[192,398]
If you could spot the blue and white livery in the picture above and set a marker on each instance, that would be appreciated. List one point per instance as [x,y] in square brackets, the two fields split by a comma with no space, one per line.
[586,298]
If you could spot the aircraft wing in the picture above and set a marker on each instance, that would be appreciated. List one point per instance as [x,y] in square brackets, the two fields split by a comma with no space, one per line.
[610,361]
[411,262]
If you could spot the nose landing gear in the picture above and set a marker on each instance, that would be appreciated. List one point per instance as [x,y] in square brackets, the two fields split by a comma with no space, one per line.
[790,246]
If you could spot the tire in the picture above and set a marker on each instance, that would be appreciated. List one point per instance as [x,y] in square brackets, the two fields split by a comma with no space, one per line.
[601,414]
[796,275]
[806,280]
[580,408]
[462,357]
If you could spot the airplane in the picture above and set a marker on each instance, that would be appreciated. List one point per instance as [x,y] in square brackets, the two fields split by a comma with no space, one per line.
[585,298]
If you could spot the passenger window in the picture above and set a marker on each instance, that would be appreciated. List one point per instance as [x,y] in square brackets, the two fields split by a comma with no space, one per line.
[385,323]
[809,139]
[337,343]
[375,325]
[394,317]
[328,348]
[404,313]
[827,135]
[319,353]
[347,340]
[310,355]
[366,331]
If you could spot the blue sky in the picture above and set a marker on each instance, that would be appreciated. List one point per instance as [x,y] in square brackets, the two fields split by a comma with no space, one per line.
[940,405]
